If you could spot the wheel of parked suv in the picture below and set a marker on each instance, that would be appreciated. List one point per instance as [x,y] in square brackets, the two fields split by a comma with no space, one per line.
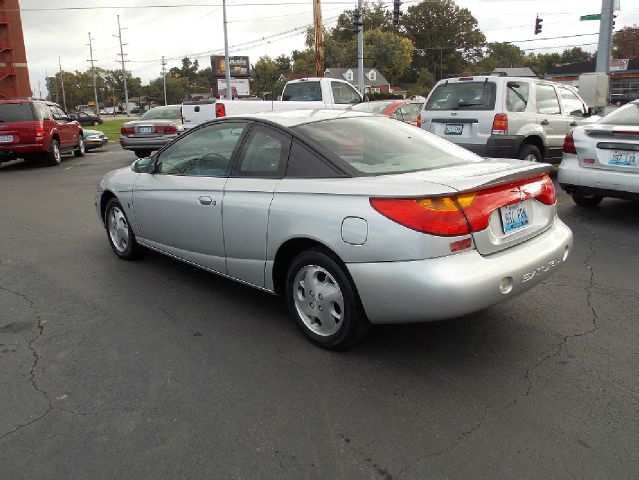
[53,157]
[530,153]
[119,233]
[80,150]
[322,299]
[586,200]
[142,153]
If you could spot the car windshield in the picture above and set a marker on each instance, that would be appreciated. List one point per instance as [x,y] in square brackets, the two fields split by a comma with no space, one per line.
[16,112]
[170,112]
[372,107]
[462,96]
[626,115]
[381,145]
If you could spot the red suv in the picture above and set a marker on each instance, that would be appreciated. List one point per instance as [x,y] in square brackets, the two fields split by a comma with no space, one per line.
[33,129]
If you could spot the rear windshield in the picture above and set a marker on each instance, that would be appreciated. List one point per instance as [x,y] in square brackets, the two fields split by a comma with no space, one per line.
[16,112]
[170,112]
[626,115]
[373,107]
[381,145]
[302,92]
[462,96]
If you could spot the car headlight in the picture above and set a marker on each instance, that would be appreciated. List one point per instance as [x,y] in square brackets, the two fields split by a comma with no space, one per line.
[93,137]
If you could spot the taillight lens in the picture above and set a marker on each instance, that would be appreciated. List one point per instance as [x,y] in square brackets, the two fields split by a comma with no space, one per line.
[127,131]
[464,213]
[569,144]
[220,110]
[165,129]
[39,129]
[500,124]
[419,120]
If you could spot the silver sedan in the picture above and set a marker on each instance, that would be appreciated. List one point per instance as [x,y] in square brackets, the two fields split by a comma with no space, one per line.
[602,160]
[153,130]
[354,218]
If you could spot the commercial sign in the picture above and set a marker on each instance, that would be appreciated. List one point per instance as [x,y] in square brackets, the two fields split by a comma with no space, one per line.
[619,64]
[240,66]
[239,87]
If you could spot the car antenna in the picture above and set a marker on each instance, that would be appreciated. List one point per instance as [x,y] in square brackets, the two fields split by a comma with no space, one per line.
[485,81]
[446,84]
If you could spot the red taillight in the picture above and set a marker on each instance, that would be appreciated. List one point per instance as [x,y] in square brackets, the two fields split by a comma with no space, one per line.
[127,131]
[466,212]
[465,79]
[39,129]
[220,110]
[569,144]
[165,129]
[419,120]
[500,124]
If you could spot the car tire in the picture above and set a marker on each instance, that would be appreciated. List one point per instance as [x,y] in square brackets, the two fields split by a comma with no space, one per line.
[586,200]
[54,156]
[142,153]
[329,312]
[81,149]
[119,233]
[530,153]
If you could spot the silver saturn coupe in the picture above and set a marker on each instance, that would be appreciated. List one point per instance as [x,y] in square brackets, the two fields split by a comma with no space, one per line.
[354,218]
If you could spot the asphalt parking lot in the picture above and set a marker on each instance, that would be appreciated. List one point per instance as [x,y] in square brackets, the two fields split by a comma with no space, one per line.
[154,369]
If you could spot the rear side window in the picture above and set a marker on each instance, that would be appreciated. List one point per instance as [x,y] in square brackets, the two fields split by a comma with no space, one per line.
[571,103]
[302,92]
[16,112]
[462,96]
[42,111]
[304,163]
[264,154]
[344,93]
[547,102]
[517,96]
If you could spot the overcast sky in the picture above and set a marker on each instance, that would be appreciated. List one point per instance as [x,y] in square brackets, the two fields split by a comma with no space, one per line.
[196,28]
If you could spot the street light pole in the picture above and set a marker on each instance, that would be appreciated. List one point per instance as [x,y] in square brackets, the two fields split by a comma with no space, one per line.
[360,49]
[605,36]
[229,94]
[95,89]
[164,77]
[126,90]
[64,97]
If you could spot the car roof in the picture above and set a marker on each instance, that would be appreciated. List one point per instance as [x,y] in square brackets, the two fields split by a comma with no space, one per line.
[294,118]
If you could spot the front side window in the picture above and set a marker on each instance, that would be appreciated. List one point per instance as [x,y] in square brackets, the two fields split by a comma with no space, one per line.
[573,106]
[380,145]
[206,152]
[547,102]
[264,154]
[344,93]
[517,96]
[462,96]
[302,92]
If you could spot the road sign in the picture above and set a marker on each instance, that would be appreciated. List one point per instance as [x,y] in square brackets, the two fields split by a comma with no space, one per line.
[593,16]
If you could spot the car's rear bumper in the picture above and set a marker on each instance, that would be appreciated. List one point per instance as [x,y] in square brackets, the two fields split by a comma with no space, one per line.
[456,285]
[574,178]
[13,151]
[496,146]
[145,143]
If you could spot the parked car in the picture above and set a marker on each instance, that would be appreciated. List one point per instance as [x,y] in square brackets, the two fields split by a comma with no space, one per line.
[505,117]
[84,118]
[152,131]
[353,217]
[404,110]
[602,160]
[34,129]
[94,139]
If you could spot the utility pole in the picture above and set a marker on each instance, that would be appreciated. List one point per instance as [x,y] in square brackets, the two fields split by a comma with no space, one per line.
[121,54]
[39,90]
[360,49]
[164,77]
[319,38]
[605,36]
[229,93]
[64,97]
[95,89]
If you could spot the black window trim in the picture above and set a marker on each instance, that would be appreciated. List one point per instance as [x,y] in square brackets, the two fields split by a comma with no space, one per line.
[236,164]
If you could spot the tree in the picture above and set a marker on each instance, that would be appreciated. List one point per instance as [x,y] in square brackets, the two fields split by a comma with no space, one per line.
[500,54]
[626,42]
[375,16]
[425,82]
[388,52]
[442,30]
[303,61]
[266,77]
[575,55]
[283,63]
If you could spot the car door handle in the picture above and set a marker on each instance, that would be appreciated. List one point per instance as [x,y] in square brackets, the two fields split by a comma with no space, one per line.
[545,122]
[204,200]
[573,123]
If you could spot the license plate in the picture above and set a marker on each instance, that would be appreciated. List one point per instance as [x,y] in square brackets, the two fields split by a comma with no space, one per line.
[6,138]
[453,129]
[513,217]
[624,158]
[145,129]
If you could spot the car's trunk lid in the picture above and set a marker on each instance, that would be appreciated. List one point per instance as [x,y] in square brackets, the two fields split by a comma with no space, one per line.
[609,147]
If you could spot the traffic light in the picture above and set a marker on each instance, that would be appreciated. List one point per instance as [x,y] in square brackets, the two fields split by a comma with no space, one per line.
[396,12]
[538,22]
[357,21]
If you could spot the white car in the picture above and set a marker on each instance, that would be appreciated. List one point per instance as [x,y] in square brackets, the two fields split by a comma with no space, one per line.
[602,160]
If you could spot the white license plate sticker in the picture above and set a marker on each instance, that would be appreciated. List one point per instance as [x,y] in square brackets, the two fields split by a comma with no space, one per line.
[6,138]
[513,217]
[453,129]
[145,129]
[624,158]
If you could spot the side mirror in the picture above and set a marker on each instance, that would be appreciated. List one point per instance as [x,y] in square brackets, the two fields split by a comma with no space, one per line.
[592,111]
[143,165]
[366,99]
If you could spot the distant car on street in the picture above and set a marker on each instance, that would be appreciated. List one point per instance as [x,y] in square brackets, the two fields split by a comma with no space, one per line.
[602,160]
[94,139]
[84,118]
[352,217]
[157,127]
[404,110]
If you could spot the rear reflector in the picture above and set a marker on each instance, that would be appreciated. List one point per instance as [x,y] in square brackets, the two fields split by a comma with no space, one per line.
[569,144]
[589,161]
[220,110]
[461,245]
[464,213]
[419,120]
[500,124]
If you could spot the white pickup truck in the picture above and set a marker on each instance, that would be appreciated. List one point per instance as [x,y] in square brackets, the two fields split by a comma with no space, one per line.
[306,93]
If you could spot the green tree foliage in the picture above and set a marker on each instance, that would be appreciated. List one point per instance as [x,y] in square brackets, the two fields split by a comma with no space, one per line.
[265,74]
[375,14]
[424,84]
[626,42]
[388,52]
